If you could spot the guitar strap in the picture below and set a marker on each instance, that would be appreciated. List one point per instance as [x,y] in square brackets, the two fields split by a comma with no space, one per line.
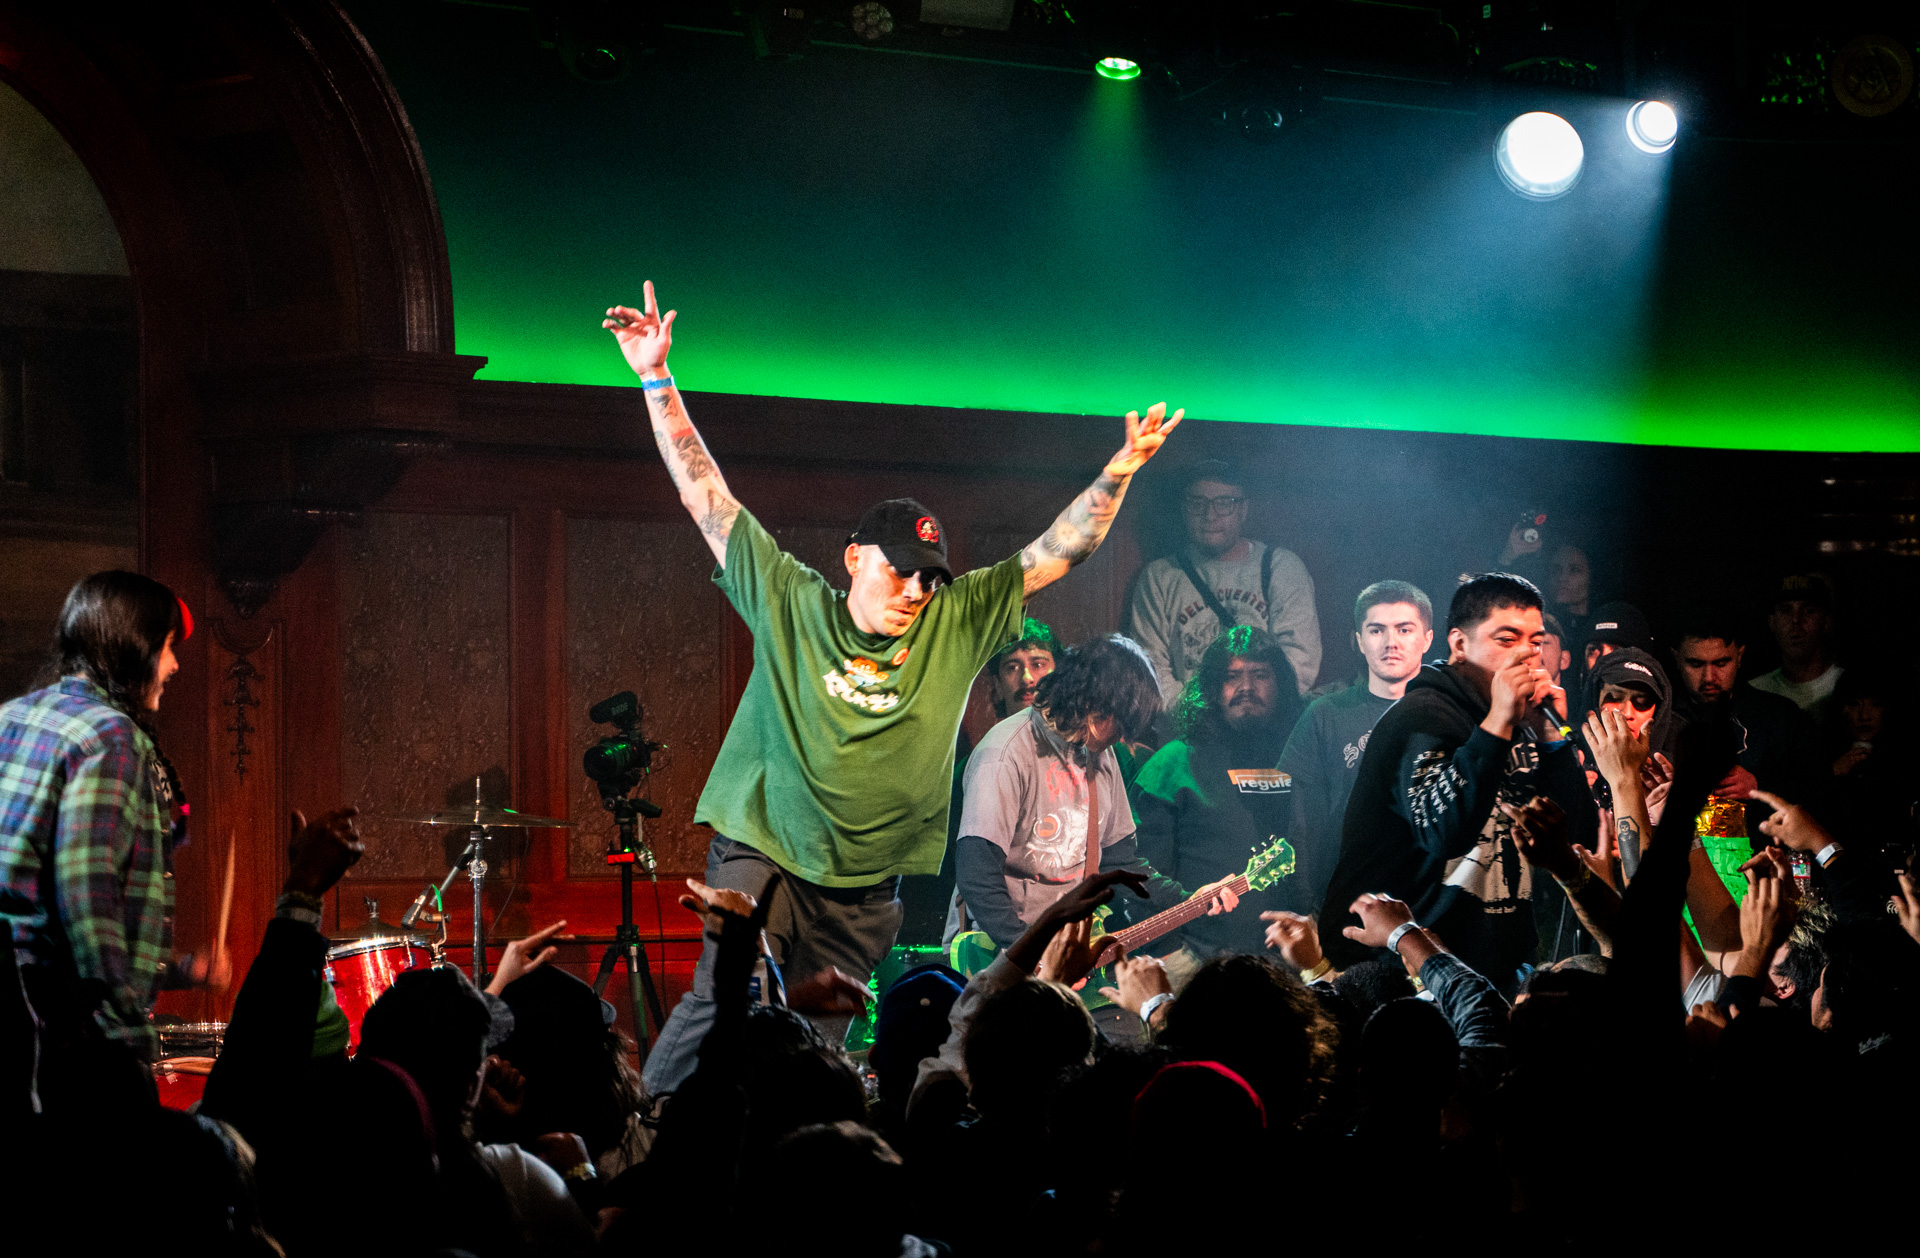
[1093,817]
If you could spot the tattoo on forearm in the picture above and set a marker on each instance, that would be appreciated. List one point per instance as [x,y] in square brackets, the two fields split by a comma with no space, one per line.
[1629,842]
[717,521]
[693,456]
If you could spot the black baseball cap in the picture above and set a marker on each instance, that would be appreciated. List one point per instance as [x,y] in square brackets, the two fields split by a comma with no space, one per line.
[907,534]
[1620,624]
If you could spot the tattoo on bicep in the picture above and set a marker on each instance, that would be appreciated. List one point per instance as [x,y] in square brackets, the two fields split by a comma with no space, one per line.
[717,521]
[1027,561]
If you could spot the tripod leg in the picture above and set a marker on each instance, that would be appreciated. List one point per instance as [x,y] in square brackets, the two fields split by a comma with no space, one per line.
[605,971]
[646,981]
[636,976]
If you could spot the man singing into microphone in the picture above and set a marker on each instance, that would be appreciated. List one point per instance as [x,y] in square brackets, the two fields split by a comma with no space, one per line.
[1422,825]
[835,774]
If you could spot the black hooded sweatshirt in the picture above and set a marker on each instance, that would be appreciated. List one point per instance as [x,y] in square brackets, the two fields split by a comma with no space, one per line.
[1421,825]
[1630,666]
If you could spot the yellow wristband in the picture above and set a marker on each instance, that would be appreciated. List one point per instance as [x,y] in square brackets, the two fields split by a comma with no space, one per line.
[1318,972]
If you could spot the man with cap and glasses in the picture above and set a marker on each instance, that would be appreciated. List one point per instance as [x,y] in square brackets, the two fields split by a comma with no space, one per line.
[833,780]
[1221,578]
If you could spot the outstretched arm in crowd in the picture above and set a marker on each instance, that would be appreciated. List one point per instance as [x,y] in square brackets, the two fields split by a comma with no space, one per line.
[1476,1011]
[1023,957]
[1857,878]
[1620,755]
[270,1040]
[645,336]
[1540,832]
[1078,531]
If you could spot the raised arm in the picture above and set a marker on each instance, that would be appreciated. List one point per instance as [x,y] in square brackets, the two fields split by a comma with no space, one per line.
[1078,531]
[645,336]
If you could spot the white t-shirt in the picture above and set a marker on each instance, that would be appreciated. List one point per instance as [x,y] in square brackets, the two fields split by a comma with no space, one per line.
[1808,695]
[551,1224]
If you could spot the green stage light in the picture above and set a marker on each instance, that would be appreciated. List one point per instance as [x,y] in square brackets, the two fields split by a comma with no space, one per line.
[1117,68]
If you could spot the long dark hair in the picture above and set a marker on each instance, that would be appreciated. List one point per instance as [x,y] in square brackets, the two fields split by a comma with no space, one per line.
[1197,711]
[1108,676]
[111,632]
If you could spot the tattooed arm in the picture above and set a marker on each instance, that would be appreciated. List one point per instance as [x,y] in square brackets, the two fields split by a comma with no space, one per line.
[645,337]
[1078,531]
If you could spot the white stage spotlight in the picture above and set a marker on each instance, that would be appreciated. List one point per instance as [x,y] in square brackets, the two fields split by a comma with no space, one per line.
[1540,155]
[1652,126]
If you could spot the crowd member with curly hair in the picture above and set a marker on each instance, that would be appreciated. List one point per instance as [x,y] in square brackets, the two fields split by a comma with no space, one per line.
[1044,802]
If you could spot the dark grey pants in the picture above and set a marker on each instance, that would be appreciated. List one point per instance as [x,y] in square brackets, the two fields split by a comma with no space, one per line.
[809,927]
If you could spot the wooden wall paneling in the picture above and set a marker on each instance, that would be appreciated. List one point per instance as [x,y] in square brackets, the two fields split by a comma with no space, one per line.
[643,615]
[308,608]
[246,725]
[426,642]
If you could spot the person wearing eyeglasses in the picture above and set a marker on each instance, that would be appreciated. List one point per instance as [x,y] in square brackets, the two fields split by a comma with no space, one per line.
[1221,578]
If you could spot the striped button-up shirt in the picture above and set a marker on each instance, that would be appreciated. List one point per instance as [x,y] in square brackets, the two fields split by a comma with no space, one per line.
[85,830]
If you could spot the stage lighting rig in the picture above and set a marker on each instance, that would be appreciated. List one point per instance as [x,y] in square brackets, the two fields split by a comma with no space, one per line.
[1652,126]
[1540,155]
[1120,69]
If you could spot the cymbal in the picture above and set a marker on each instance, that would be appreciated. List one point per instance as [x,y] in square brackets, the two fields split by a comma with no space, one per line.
[479,815]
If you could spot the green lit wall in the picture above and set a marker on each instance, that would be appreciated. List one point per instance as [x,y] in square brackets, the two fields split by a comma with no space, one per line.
[881,228]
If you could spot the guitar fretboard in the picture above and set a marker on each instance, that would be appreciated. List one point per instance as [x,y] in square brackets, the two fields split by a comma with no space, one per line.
[1174,918]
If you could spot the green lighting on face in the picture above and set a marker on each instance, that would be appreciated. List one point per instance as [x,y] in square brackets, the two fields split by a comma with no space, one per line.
[1117,68]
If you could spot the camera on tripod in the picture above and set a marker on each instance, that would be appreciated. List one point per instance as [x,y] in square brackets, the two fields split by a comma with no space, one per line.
[619,760]
[616,764]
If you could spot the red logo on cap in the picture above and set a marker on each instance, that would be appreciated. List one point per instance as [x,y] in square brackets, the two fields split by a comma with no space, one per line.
[928,530]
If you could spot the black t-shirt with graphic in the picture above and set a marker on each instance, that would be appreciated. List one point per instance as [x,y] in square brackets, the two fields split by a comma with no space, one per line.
[1205,810]
[1323,759]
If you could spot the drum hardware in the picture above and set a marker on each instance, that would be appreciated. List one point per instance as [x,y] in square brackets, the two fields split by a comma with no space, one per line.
[616,765]
[364,966]
[187,1054]
[479,820]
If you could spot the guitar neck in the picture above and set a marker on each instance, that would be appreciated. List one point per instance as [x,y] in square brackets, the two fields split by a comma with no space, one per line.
[1177,916]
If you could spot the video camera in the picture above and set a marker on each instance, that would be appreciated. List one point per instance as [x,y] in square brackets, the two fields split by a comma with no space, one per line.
[619,760]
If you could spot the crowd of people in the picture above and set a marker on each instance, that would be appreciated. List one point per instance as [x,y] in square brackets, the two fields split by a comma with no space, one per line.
[1544,930]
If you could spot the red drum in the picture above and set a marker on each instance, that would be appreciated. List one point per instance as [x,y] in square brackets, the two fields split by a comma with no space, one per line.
[187,1050]
[362,968]
[181,1080]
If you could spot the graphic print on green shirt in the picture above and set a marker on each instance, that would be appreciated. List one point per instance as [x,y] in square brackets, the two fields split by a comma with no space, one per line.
[839,763]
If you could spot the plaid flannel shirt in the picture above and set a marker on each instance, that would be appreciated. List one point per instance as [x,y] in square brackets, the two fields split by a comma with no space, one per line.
[85,829]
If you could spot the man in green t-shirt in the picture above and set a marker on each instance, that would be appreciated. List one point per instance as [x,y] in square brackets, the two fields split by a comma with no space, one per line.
[835,772]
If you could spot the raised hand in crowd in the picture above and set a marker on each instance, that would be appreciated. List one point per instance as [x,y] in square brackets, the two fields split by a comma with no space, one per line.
[1076,905]
[1540,832]
[1295,937]
[1073,952]
[1380,915]
[831,993]
[708,903]
[1139,980]
[1618,752]
[1906,904]
[1791,825]
[1766,915]
[319,853]
[523,956]
[1657,777]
